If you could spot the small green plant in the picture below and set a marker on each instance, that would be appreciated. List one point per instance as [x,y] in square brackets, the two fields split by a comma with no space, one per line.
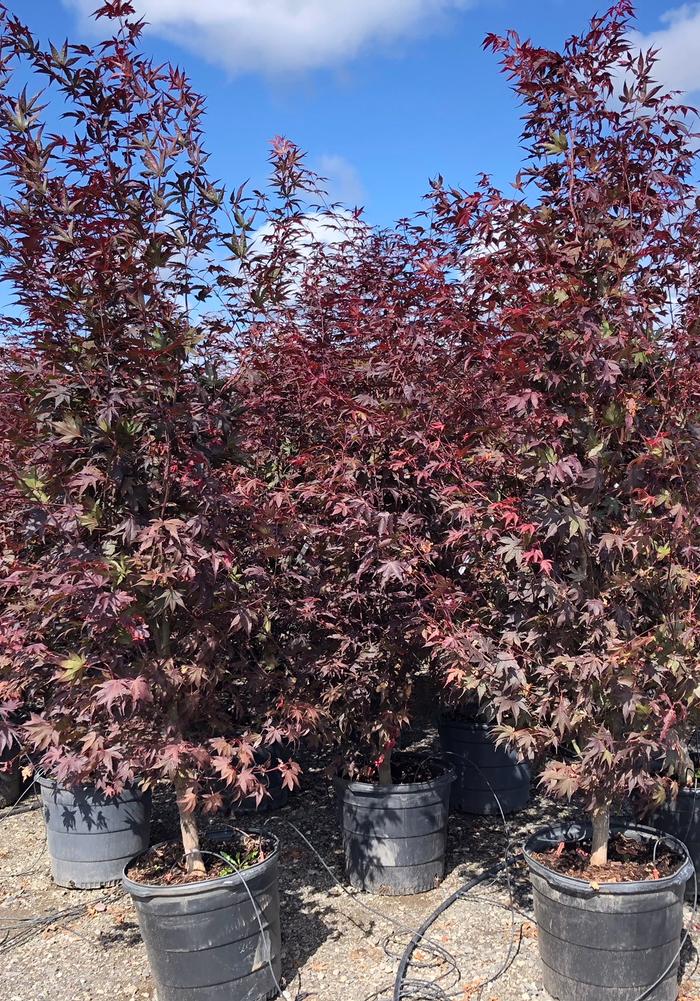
[249,853]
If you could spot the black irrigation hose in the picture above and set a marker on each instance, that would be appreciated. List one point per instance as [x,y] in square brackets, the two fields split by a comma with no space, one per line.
[491,873]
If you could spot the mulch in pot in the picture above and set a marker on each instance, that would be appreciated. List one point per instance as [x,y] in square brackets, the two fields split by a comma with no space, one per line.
[406,769]
[164,864]
[629,861]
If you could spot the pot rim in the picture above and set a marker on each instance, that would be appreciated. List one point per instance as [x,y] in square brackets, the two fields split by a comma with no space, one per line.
[564,832]
[144,890]
[447,775]
[693,790]
[47,782]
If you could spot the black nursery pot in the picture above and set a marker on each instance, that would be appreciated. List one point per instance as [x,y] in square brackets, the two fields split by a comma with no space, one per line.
[483,770]
[10,779]
[92,836]
[395,835]
[681,819]
[203,939]
[615,943]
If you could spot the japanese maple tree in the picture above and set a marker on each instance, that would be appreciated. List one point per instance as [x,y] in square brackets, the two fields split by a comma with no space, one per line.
[357,398]
[587,634]
[136,592]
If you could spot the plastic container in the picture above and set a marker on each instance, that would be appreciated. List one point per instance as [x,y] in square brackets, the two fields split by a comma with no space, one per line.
[91,836]
[681,819]
[395,836]
[614,942]
[10,780]
[483,770]
[203,939]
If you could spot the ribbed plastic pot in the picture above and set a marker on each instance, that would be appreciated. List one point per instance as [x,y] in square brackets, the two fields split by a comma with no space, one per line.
[203,940]
[10,780]
[91,836]
[613,943]
[681,819]
[483,770]
[395,836]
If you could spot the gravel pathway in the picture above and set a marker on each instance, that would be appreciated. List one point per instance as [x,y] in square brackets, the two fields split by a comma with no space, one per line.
[334,949]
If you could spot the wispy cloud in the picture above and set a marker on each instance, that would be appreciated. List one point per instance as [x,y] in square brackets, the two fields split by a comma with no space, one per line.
[312,232]
[276,36]
[342,180]
[678,40]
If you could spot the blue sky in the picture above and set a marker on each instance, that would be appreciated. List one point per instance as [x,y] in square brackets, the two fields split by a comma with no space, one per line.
[383,94]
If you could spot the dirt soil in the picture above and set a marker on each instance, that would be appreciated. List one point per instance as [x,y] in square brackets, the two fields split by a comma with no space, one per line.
[629,861]
[84,945]
[164,864]
[407,767]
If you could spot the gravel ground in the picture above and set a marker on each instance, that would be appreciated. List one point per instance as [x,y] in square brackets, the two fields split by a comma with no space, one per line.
[334,949]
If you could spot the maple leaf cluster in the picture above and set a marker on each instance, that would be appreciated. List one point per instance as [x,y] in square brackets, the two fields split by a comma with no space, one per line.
[339,384]
[264,485]
[586,590]
[136,566]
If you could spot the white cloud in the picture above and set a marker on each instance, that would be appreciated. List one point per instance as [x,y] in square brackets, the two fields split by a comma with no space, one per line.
[282,35]
[342,179]
[313,232]
[679,44]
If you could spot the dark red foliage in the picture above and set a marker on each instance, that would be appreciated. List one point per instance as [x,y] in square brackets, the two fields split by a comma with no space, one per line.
[363,406]
[587,586]
[257,488]
[136,567]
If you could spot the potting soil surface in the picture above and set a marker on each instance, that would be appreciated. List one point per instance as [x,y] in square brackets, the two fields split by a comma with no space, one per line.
[165,864]
[628,861]
[82,945]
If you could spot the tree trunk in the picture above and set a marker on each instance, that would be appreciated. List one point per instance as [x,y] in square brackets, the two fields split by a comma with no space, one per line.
[601,834]
[384,768]
[189,832]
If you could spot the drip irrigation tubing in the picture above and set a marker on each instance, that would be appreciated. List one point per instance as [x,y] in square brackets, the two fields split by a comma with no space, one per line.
[417,990]
[26,927]
[265,939]
[440,954]
[403,988]
[420,989]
